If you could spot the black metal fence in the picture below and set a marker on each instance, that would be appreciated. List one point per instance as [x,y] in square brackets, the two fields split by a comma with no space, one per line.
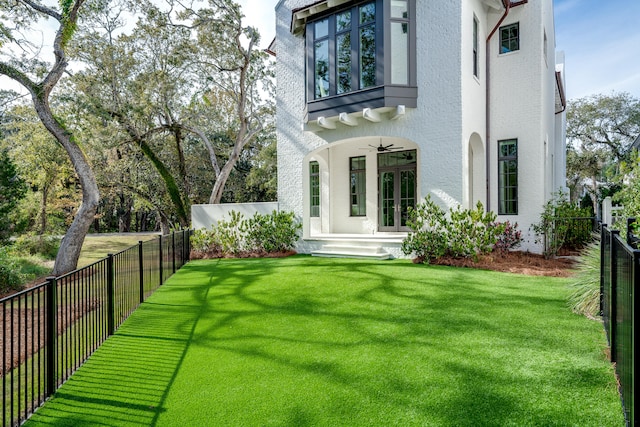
[619,279]
[49,330]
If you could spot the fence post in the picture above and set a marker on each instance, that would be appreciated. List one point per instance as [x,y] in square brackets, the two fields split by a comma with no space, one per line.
[111,306]
[602,258]
[52,335]
[613,298]
[634,327]
[187,255]
[141,270]
[630,222]
[173,252]
[160,244]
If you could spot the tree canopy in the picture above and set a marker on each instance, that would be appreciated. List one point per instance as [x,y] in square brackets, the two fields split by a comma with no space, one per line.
[165,105]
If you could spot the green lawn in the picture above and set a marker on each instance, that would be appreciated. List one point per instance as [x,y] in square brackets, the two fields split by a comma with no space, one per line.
[305,341]
[98,246]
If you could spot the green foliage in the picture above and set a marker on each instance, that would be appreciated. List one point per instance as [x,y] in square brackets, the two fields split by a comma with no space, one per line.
[428,239]
[461,233]
[276,232]
[12,189]
[11,279]
[31,244]
[629,195]
[239,237]
[585,288]
[563,224]
[471,231]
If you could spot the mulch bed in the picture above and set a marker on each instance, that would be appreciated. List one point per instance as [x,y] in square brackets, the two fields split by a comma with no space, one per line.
[516,262]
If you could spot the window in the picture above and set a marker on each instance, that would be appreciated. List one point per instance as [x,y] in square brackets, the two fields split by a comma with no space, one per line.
[476,71]
[399,42]
[314,184]
[508,177]
[363,52]
[357,166]
[321,58]
[510,38]
[367,47]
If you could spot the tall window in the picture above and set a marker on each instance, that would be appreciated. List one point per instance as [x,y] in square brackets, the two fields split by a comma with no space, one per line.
[358,186]
[476,71]
[510,38]
[314,184]
[367,46]
[508,177]
[343,51]
[321,58]
[363,51]
[399,42]
[346,57]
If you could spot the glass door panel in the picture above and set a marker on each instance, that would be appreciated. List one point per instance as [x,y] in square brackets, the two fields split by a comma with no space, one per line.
[387,200]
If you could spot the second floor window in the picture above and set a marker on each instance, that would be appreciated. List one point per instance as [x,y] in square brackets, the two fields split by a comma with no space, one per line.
[510,38]
[476,65]
[341,41]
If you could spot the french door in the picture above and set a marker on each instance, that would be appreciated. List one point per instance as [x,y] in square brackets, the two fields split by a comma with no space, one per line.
[396,189]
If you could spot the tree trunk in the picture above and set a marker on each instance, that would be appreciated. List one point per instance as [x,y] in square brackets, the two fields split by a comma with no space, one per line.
[69,252]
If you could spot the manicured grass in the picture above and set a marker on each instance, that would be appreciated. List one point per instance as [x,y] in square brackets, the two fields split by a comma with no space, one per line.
[98,246]
[323,342]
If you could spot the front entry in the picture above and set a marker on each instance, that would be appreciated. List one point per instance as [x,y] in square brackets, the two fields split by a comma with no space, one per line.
[396,189]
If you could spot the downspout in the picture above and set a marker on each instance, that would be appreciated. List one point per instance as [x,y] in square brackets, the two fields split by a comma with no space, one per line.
[507,7]
[487,76]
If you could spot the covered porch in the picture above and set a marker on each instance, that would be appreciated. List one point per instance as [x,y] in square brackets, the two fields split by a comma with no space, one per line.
[357,196]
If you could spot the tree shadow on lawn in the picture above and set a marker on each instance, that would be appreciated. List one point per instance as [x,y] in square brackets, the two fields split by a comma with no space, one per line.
[304,341]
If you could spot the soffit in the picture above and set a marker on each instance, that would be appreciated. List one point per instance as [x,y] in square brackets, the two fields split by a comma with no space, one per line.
[494,4]
[302,15]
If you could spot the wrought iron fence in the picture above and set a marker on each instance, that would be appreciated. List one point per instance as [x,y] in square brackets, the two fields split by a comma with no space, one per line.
[51,329]
[619,279]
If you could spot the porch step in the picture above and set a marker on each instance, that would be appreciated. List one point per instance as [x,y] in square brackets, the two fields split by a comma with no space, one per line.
[351,251]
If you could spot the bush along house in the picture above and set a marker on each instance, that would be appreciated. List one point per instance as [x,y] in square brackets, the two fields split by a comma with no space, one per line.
[383,102]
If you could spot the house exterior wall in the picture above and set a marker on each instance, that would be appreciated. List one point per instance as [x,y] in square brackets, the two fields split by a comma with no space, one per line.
[448,128]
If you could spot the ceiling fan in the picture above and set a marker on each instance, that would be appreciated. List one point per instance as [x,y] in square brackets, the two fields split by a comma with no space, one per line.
[382,148]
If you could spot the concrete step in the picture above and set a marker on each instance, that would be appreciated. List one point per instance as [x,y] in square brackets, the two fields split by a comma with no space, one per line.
[352,251]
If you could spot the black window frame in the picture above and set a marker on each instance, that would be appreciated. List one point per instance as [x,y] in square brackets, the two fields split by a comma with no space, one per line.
[509,42]
[507,205]
[314,189]
[357,187]
[383,93]
[476,47]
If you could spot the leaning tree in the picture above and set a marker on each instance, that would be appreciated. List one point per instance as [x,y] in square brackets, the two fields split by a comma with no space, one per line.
[19,19]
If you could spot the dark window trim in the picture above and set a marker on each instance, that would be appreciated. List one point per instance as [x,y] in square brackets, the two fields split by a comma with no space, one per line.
[501,40]
[384,94]
[501,184]
[476,47]
[314,189]
[361,197]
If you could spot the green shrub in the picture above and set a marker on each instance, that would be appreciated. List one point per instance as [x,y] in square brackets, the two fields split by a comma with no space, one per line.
[585,288]
[461,233]
[276,232]
[259,235]
[428,238]
[30,244]
[559,225]
[11,279]
[230,235]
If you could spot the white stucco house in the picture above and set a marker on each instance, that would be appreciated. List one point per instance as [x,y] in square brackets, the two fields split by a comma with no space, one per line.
[383,102]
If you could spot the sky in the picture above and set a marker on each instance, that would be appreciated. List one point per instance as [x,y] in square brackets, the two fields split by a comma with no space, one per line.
[600,39]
